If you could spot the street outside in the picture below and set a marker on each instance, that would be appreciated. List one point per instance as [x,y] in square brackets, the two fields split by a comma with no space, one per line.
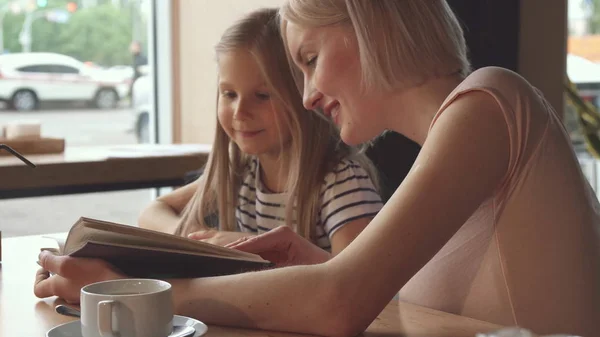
[79,126]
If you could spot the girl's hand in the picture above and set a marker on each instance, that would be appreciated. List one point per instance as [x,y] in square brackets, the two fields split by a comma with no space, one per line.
[220,238]
[283,247]
[70,275]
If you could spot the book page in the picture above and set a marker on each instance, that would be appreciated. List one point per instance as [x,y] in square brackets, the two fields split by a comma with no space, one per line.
[87,229]
[59,240]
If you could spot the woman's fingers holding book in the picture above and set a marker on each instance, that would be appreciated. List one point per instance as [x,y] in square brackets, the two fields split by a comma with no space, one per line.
[53,263]
[73,267]
[283,247]
[41,275]
[46,286]
[70,275]
[40,287]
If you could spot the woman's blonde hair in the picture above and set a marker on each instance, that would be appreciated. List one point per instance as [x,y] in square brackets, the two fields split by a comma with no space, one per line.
[402,43]
[313,151]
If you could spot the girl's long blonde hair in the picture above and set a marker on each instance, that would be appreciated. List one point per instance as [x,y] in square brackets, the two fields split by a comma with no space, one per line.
[314,150]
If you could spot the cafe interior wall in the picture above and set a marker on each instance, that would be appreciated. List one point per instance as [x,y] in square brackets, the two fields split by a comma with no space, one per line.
[198,27]
[543,47]
[529,37]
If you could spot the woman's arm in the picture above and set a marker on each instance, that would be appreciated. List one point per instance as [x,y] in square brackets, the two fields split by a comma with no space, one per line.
[294,299]
[462,162]
[164,213]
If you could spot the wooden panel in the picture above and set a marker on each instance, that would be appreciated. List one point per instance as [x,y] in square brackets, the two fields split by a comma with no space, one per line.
[89,169]
[543,47]
[34,146]
[518,35]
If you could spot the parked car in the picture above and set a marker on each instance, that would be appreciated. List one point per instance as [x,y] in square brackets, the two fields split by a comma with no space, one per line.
[26,79]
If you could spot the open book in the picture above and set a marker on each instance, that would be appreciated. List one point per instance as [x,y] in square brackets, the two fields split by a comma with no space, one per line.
[144,253]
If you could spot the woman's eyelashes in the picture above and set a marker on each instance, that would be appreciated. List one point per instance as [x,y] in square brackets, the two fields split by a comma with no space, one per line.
[311,61]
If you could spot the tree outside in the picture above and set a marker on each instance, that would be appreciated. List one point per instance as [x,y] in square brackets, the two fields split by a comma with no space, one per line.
[594,15]
[100,33]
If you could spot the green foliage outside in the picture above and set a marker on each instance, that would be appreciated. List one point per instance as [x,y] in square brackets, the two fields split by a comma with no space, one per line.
[100,34]
[594,20]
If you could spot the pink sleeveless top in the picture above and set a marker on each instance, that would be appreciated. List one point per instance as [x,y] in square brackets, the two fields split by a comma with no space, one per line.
[530,254]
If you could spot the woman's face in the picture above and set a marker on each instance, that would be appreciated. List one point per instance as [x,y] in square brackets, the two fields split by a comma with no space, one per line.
[329,59]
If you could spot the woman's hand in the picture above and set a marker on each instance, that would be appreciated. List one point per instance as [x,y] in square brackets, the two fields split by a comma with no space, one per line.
[70,275]
[283,247]
[220,238]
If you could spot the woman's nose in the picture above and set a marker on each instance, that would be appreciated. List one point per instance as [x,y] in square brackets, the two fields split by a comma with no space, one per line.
[311,98]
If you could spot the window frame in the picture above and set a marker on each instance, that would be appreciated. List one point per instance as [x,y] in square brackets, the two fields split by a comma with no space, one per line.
[161,58]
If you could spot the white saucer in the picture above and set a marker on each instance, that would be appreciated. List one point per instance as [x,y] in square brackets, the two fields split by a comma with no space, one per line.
[73,329]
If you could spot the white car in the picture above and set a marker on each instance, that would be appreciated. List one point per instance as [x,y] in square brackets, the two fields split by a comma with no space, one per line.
[26,79]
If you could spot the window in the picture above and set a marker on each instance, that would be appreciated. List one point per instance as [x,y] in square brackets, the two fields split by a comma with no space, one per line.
[583,69]
[49,68]
[62,69]
[35,69]
[104,35]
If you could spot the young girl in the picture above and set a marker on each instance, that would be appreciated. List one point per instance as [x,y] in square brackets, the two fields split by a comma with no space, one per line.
[273,163]
[495,221]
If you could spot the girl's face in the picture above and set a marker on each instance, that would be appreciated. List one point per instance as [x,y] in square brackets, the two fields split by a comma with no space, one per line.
[329,59]
[247,111]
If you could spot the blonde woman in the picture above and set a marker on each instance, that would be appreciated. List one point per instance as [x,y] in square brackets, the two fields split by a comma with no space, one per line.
[495,220]
[273,163]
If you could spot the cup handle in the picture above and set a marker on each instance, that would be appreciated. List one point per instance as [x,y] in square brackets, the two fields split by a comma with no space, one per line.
[105,322]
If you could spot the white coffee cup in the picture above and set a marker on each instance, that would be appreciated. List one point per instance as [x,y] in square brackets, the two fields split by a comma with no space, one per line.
[127,308]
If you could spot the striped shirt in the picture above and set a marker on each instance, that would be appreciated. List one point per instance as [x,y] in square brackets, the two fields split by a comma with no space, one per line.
[347,194]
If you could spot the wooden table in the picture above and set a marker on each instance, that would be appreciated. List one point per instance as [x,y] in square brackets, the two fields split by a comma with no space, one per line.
[22,314]
[100,169]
